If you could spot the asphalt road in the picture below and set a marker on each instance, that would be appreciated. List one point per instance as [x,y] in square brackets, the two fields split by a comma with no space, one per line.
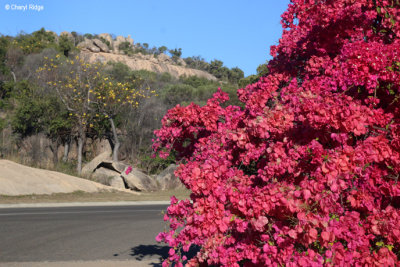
[82,234]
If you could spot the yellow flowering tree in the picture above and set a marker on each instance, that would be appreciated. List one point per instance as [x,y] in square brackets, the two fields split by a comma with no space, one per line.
[74,81]
[89,95]
[113,97]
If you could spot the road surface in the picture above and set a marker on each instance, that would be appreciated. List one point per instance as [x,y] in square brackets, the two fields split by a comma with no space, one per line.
[60,234]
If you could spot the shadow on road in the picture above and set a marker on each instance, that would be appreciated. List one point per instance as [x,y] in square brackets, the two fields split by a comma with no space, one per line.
[156,252]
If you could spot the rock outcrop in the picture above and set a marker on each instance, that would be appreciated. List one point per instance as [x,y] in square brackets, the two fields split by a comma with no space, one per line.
[109,177]
[167,179]
[117,182]
[118,174]
[105,176]
[103,47]
[108,38]
[138,181]
[97,50]
[95,163]
[159,64]
[88,45]
[119,40]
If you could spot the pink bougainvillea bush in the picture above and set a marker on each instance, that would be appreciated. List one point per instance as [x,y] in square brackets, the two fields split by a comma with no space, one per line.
[307,172]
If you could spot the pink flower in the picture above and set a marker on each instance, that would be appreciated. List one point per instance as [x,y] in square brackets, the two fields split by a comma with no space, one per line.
[128,170]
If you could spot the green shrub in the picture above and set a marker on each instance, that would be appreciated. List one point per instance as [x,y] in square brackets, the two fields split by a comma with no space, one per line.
[126,48]
[176,94]
[35,42]
[119,71]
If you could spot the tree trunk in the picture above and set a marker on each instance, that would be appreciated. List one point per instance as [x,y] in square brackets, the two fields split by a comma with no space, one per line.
[140,142]
[66,150]
[81,141]
[14,77]
[117,144]
[54,149]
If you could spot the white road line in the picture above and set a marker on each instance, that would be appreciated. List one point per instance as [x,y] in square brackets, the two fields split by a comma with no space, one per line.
[71,212]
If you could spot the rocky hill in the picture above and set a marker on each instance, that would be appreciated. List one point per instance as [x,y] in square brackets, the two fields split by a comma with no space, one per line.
[104,48]
[159,64]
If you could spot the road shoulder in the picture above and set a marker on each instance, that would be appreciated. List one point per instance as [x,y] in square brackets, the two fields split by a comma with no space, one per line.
[100,263]
[82,204]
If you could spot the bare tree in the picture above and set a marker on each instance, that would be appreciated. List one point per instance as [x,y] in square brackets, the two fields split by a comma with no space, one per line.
[14,59]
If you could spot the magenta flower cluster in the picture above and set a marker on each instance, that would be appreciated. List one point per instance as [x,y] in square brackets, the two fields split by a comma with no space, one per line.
[306,172]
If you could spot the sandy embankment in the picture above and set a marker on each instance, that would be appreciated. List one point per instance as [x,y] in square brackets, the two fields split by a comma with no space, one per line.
[17,179]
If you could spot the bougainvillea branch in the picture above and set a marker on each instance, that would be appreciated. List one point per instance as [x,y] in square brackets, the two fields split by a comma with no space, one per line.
[306,174]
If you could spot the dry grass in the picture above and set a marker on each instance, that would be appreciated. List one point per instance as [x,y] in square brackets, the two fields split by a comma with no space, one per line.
[80,196]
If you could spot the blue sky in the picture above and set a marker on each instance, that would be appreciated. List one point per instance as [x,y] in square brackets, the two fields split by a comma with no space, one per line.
[238,32]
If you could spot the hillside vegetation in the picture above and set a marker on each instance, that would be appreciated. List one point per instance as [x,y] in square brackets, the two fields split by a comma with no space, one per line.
[51,118]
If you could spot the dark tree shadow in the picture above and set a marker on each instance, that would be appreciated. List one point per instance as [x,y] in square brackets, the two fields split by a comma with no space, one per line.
[154,251]
[158,253]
